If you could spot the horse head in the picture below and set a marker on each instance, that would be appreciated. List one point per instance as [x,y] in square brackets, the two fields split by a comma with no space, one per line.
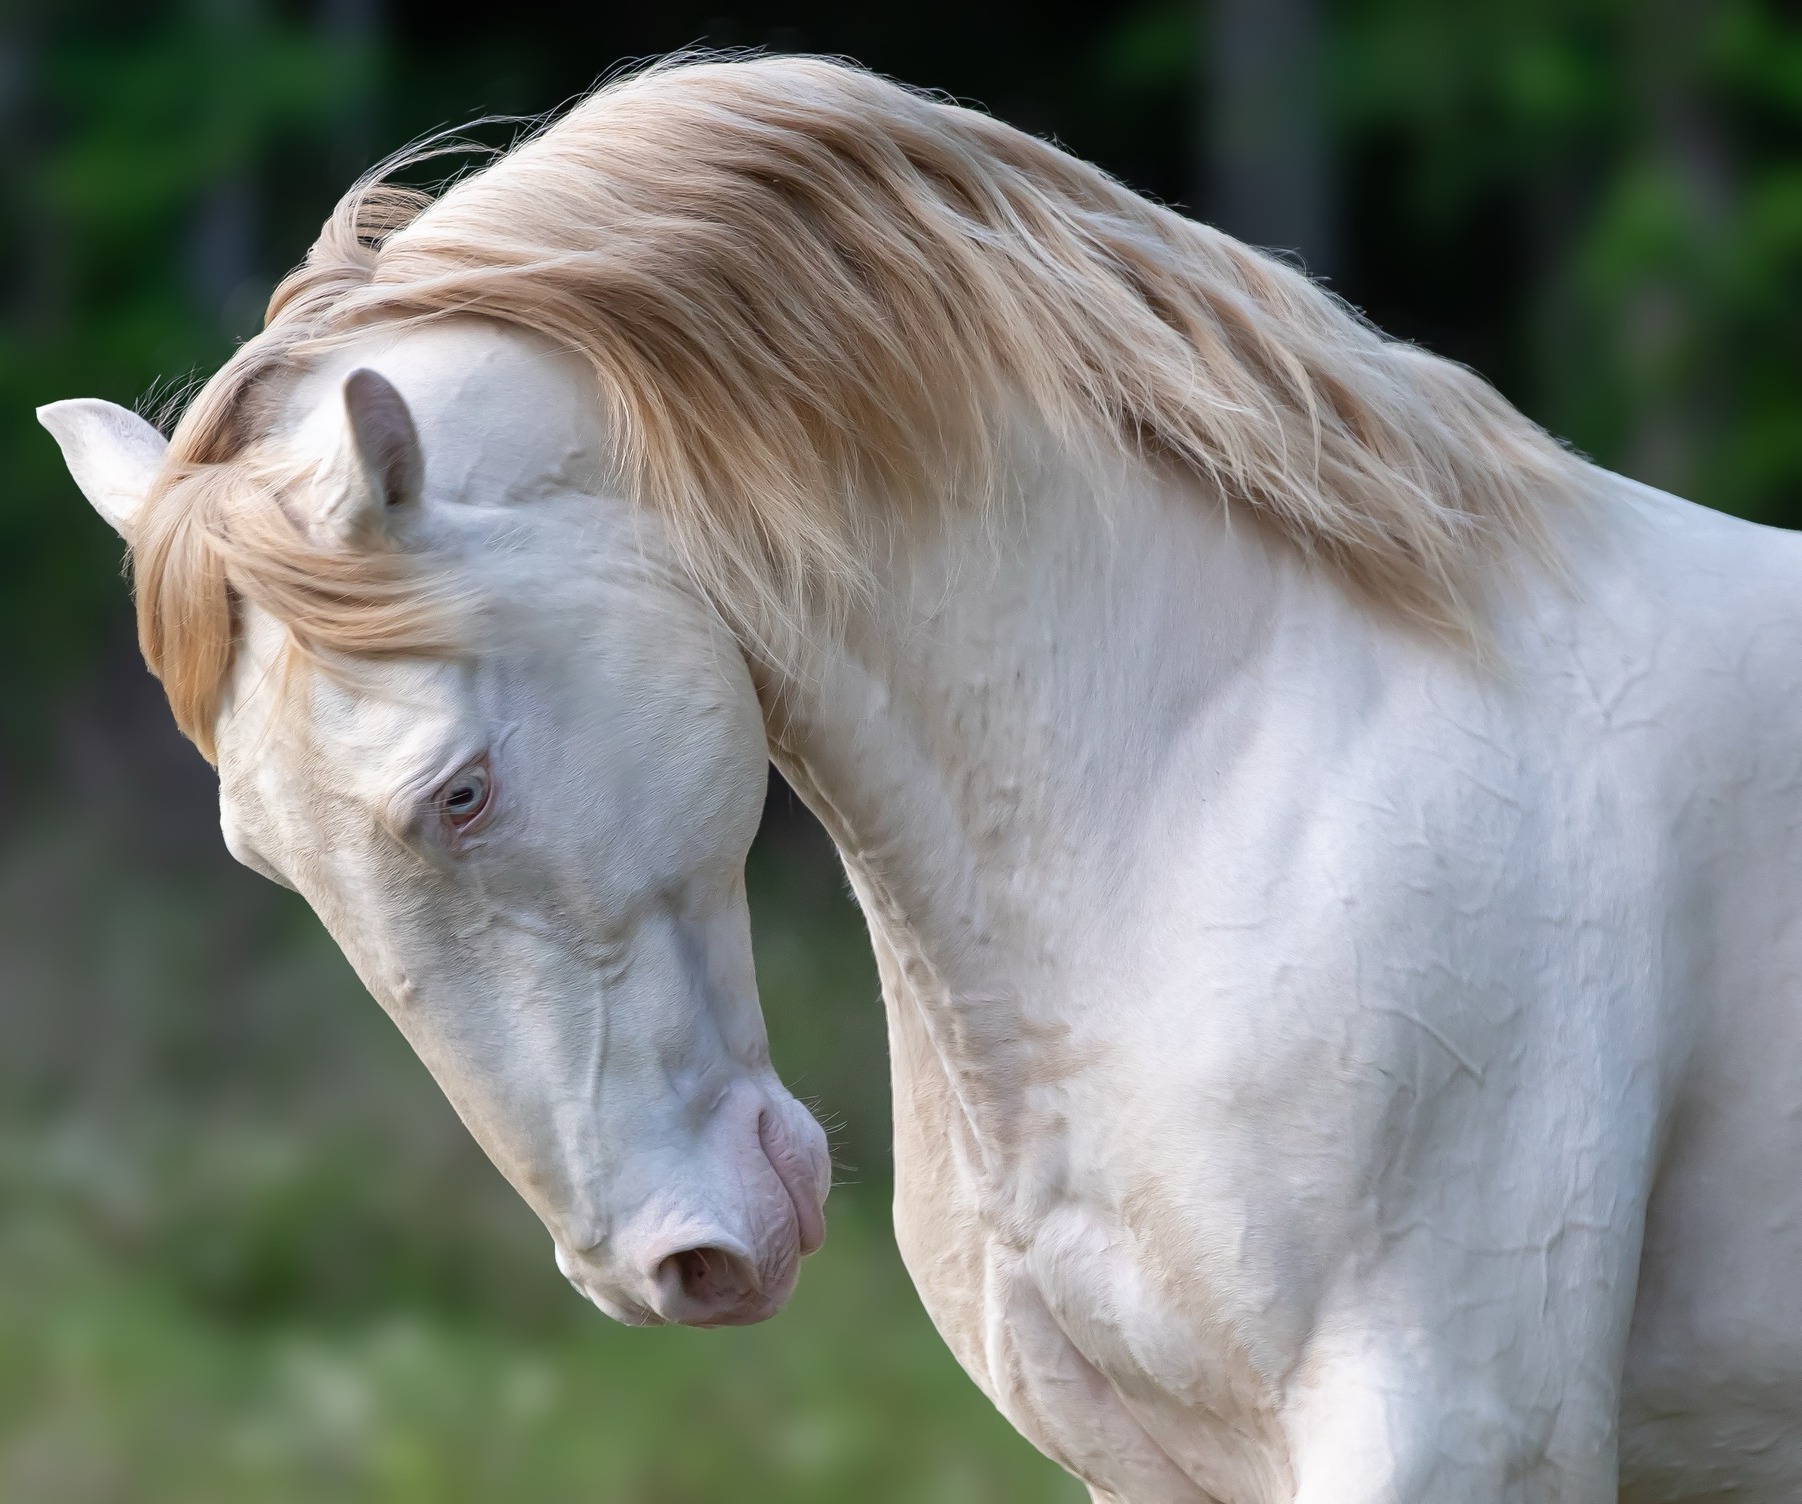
[531,843]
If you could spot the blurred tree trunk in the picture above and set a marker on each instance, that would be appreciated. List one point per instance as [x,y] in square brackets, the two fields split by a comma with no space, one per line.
[354,29]
[222,242]
[39,290]
[1666,322]
[1266,159]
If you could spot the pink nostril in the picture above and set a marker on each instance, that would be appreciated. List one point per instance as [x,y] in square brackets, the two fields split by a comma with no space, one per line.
[710,1279]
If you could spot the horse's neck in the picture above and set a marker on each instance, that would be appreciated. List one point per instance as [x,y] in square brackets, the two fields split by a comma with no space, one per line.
[988,747]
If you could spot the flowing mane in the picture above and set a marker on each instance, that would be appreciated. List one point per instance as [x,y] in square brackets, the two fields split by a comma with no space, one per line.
[807,293]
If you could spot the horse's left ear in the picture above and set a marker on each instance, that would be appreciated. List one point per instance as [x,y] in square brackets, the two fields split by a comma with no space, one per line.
[381,467]
[111,452]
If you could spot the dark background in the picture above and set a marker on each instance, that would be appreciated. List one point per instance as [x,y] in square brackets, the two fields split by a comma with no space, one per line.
[245,1251]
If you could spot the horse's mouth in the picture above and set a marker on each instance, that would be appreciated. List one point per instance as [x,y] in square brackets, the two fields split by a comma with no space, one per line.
[769,1288]
[724,1277]
[800,1180]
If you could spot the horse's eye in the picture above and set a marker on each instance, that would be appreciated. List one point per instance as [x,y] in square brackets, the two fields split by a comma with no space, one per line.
[463,799]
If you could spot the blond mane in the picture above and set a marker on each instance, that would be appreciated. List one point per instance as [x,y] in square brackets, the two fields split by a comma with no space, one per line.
[806,293]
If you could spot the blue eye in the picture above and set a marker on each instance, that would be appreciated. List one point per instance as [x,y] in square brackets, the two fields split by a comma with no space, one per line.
[465,796]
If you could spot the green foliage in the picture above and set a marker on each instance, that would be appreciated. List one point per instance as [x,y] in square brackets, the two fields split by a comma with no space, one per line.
[1642,160]
[125,130]
[1651,150]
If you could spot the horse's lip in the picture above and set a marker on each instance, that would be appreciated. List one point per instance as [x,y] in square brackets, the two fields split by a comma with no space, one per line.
[810,1217]
[748,1313]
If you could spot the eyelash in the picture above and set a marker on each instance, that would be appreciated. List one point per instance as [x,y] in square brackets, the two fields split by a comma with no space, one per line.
[474,786]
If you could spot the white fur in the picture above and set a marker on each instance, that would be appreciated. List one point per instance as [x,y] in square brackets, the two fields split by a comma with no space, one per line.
[1327,1068]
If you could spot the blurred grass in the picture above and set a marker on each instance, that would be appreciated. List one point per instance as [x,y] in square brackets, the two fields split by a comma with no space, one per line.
[247,1254]
[114,1385]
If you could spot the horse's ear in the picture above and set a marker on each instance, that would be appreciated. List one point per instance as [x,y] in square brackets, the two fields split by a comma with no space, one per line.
[111,452]
[387,467]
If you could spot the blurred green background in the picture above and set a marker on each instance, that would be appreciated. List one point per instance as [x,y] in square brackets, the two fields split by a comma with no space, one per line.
[246,1253]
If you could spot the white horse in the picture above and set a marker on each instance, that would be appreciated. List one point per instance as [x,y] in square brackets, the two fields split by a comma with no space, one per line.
[1328,850]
